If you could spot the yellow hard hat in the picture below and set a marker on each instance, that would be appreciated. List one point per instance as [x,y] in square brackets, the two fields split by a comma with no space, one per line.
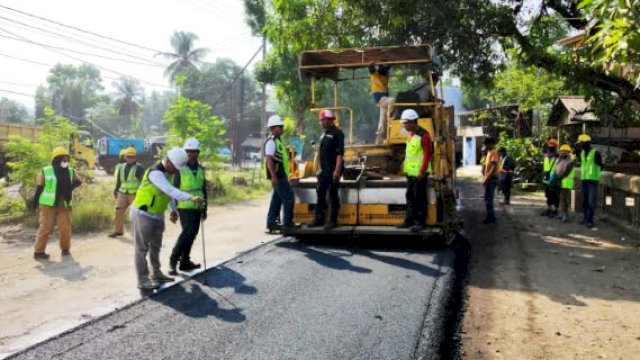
[565,147]
[130,151]
[584,138]
[59,151]
[122,151]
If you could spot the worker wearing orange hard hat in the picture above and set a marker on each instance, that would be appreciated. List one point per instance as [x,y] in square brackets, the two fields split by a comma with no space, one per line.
[550,190]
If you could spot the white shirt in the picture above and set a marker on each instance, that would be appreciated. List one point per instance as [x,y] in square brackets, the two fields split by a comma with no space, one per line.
[160,181]
[270,148]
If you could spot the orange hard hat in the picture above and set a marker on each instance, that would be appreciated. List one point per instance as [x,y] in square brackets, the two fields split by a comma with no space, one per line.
[552,142]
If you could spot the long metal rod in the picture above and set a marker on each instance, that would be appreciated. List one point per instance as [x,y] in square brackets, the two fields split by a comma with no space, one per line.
[356,65]
[204,254]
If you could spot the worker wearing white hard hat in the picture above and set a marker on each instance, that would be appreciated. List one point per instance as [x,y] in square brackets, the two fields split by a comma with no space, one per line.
[277,171]
[417,166]
[192,180]
[147,214]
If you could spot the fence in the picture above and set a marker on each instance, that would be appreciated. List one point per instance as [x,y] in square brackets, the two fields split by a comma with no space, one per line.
[619,197]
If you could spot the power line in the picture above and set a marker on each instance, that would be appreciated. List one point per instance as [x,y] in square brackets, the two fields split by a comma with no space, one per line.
[215,103]
[26,60]
[17,84]
[81,30]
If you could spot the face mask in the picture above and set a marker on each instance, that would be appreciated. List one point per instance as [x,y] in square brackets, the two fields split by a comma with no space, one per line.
[64,164]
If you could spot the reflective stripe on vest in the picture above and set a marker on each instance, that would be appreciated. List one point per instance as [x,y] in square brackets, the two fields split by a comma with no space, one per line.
[413,157]
[568,182]
[149,198]
[191,184]
[48,196]
[588,168]
[280,159]
[131,184]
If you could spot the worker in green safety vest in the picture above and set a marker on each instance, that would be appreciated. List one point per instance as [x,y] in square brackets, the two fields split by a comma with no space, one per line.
[550,192]
[147,215]
[417,166]
[54,186]
[590,170]
[191,179]
[128,177]
[122,159]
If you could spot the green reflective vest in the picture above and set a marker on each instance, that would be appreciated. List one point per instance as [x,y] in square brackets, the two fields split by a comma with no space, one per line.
[280,159]
[48,196]
[413,156]
[192,184]
[130,184]
[116,170]
[568,182]
[548,166]
[588,168]
[149,198]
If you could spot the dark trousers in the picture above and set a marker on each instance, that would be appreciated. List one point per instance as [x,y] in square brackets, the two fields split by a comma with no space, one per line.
[326,184]
[505,186]
[589,194]
[416,201]
[489,193]
[281,199]
[190,222]
[551,193]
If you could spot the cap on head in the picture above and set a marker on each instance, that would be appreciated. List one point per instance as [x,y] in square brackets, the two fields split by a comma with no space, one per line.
[275,120]
[552,142]
[584,138]
[191,144]
[409,115]
[565,147]
[178,157]
[326,114]
[59,151]
[130,151]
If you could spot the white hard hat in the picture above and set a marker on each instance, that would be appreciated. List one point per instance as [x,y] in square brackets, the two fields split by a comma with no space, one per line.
[409,115]
[275,120]
[178,157]
[192,144]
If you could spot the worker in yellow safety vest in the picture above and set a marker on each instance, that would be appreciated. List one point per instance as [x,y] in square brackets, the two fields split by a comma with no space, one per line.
[122,159]
[54,187]
[417,166]
[128,177]
[550,191]
[147,215]
[191,179]
[564,173]
[590,172]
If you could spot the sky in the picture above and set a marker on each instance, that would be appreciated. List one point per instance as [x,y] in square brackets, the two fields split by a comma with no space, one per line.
[219,24]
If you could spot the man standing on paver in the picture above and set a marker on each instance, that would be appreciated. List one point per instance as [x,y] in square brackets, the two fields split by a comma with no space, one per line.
[147,214]
[191,180]
[490,179]
[128,177]
[590,169]
[330,171]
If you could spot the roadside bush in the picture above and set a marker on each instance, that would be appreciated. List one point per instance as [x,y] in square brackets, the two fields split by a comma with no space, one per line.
[527,155]
[222,189]
[93,207]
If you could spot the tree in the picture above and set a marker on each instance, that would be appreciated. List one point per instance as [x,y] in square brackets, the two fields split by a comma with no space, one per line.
[155,105]
[12,111]
[72,90]
[184,57]
[128,99]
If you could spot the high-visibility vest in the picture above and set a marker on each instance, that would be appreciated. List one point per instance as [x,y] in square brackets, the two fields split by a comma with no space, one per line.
[379,83]
[588,168]
[568,182]
[148,197]
[548,165]
[48,195]
[130,185]
[191,184]
[413,156]
[280,159]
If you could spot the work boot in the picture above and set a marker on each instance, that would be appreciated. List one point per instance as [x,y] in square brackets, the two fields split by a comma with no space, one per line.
[188,266]
[273,228]
[417,227]
[315,223]
[545,213]
[564,218]
[172,267]
[330,226]
[148,285]
[65,252]
[404,225]
[115,234]
[288,228]
[159,277]
[489,221]
[40,256]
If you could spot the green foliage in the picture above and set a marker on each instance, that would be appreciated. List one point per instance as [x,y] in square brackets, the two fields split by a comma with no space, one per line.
[527,155]
[13,111]
[185,57]
[190,118]
[72,90]
[222,190]
[92,208]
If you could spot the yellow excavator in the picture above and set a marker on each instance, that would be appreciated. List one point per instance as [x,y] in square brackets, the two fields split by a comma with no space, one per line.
[372,190]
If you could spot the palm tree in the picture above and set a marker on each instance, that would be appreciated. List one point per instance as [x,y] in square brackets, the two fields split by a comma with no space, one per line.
[128,100]
[184,56]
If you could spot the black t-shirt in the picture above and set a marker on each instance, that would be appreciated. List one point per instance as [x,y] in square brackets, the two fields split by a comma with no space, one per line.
[331,145]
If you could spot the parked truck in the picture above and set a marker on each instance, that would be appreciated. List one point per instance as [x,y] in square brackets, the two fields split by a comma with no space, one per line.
[81,144]
[109,151]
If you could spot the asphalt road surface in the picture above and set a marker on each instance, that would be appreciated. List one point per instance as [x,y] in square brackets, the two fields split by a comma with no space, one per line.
[283,300]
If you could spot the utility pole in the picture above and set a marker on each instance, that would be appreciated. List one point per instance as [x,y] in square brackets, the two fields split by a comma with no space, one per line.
[240,121]
[263,113]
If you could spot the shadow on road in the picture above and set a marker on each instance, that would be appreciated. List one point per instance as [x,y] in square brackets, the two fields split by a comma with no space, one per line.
[223,277]
[196,303]
[324,258]
[68,269]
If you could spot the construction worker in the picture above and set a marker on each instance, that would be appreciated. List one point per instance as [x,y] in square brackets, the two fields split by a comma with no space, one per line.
[506,168]
[147,214]
[550,192]
[128,177]
[379,78]
[564,172]
[191,180]
[277,170]
[590,172]
[54,187]
[330,170]
[490,178]
[417,166]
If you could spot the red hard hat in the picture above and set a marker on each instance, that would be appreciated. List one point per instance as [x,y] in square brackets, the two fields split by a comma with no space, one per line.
[326,114]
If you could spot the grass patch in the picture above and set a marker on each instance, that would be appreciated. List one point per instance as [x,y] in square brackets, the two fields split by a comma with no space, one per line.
[93,206]
[248,185]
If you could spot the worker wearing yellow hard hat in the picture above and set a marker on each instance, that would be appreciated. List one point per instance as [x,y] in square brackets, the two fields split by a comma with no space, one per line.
[121,160]
[590,169]
[128,177]
[563,175]
[550,192]
[54,187]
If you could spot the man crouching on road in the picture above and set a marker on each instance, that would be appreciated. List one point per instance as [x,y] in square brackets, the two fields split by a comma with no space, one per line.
[147,215]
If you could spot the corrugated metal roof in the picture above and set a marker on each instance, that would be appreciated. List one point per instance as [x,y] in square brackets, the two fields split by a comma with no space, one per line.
[577,107]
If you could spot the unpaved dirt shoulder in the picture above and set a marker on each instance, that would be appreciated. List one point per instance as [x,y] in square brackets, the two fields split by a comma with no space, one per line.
[539,289]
